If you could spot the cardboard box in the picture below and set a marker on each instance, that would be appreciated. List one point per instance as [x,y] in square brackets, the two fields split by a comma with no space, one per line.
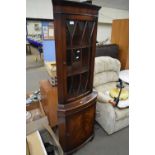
[34,141]
[37,123]
[55,141]
[27,149]
[36,146]
[51,69]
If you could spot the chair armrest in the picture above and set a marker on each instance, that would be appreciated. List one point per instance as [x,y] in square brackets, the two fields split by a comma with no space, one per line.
[103,98]
[105,116]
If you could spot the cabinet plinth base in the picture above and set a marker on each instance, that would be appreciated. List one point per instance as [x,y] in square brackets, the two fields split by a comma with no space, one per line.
[76,123]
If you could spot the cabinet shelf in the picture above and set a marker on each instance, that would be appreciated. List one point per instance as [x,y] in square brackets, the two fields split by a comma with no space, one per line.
[75,97]
[72,71]
[78,47]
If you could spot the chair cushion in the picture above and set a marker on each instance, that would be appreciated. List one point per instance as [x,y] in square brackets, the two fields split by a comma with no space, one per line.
[105,87]
[121,113]
[105,77]
[106,63]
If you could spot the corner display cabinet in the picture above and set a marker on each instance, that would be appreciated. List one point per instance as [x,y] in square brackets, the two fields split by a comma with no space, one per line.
[75,26]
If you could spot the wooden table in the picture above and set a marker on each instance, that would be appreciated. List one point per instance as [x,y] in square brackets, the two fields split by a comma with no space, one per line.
[49,99]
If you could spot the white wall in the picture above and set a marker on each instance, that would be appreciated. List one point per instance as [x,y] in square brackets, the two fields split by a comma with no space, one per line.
[44,9]
[39,9]
[103,31]
[106,16]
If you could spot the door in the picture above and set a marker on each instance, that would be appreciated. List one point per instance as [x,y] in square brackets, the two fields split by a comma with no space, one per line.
[79,53]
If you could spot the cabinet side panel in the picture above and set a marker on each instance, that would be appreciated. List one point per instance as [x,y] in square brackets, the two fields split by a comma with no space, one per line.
[60,55]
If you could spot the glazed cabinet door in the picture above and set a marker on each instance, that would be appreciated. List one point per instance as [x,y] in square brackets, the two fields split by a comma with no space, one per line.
[80,32]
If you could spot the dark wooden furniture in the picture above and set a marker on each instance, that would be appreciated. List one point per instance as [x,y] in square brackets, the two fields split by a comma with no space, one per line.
[49,100]
[111,50]
[75,35]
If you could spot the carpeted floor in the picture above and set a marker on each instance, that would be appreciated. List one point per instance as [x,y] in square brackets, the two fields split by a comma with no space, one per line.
[33,60]
[33,76]
[102,144]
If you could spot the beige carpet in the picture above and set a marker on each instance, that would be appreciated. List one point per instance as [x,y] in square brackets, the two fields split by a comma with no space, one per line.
[34,61]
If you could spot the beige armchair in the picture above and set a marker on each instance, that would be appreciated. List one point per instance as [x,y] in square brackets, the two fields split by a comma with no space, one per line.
[106,75]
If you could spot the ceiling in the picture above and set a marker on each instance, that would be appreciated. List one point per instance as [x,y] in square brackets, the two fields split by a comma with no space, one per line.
[117,4]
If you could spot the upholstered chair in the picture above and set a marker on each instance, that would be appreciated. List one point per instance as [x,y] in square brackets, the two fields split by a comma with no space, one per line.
[106,75]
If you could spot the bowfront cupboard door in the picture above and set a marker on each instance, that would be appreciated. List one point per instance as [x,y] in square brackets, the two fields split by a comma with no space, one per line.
[79,55]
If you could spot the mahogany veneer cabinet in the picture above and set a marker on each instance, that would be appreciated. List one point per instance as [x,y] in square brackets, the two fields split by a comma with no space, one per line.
[75,26]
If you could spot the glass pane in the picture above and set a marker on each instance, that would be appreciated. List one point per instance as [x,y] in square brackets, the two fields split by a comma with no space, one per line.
[85,56]
[87,36]
[70,25]
[73,85]
[77,36]
[74,61]
[84,82]
[69,58]
[70,28]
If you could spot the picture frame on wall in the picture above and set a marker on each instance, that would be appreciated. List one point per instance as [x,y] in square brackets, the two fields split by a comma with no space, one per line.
[51,30]
[45,32]
[37,27]
[48,31]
